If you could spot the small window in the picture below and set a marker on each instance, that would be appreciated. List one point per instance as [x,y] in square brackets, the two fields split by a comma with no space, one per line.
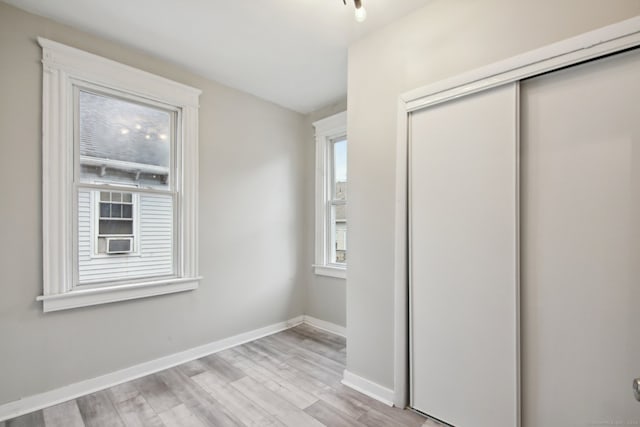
[115,223]
[331,196]
[120,156]
[338,202]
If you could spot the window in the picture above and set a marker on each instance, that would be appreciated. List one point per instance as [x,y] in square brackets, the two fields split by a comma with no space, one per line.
[114,234]
[120,170]
[331,196]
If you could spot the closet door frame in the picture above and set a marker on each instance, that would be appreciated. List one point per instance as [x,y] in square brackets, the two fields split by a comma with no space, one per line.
[588,46]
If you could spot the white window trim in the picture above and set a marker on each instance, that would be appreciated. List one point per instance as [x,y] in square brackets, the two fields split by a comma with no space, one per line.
[326,130]
[63,65]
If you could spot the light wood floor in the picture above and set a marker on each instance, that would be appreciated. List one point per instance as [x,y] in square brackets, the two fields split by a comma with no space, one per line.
[288,379]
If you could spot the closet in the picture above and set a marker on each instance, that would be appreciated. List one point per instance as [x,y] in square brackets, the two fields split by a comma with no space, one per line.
[524,249]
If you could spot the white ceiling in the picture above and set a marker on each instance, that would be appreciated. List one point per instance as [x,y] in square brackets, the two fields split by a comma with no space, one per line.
[290,52]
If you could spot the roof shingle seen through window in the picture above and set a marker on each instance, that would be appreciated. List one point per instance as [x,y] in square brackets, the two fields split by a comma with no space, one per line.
[115,129]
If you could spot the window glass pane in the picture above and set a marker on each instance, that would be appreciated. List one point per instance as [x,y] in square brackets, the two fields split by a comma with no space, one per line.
[116,197]
[338,234]
[123,142]
[105,210]
[126,197]
[116,210]
[115,227]
[340,169]
[105,196]
[150,252]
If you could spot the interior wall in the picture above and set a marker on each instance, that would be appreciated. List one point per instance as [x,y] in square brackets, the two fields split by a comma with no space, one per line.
[252,213]
[326,296]
[443,39]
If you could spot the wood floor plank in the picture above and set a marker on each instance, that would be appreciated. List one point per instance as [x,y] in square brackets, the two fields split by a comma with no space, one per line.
[156,393]
[221,367]
[122,392]
[272,351]
[298,419]
[345,403]
[338,356]
[237,403]
[98,411]
[292,348]
[302,346]
[331,340]
[273,404]
[348,406]
[65,414]
[34,419]
[258,355]
[376,418]
[270,379]
[314,341]
[309,348]
[180,416]
[404,416]
[197,400]
[329,416]
[329,377]
[192,368]
[297,378]
[136,412]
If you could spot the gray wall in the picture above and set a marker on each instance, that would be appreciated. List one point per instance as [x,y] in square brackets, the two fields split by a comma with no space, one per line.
[442,39]
[253,208]
[326,296]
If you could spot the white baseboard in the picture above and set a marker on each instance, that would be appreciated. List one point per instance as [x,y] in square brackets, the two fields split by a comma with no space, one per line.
[326,326]
[371,389]
[72,391]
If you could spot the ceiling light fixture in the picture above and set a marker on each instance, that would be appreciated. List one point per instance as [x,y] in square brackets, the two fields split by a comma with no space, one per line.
[360,13]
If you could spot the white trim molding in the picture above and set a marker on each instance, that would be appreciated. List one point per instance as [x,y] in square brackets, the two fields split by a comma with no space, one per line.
[601,42]
[72,391]
[592,45]
[330,271]
[65,69]
[369,388]
[326,326]
[326,130]
[102,295]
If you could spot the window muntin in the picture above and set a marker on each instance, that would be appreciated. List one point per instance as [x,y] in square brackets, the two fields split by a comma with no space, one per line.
[124,143]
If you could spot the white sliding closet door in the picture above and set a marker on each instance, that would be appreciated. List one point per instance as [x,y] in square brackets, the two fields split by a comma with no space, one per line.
[581,244]
[463,259]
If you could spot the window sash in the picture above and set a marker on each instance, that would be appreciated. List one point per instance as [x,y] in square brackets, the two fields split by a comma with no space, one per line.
[106,186]
[174,132]
[332,202]
[137,194]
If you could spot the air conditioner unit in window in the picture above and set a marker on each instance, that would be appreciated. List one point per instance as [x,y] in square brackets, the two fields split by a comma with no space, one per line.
[119,245]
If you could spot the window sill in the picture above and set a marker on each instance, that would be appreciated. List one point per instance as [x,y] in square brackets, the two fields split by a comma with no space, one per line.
[330,271]
[94,296]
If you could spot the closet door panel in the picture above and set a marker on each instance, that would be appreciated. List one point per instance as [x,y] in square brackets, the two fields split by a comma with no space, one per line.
[581,244]
[463,259]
